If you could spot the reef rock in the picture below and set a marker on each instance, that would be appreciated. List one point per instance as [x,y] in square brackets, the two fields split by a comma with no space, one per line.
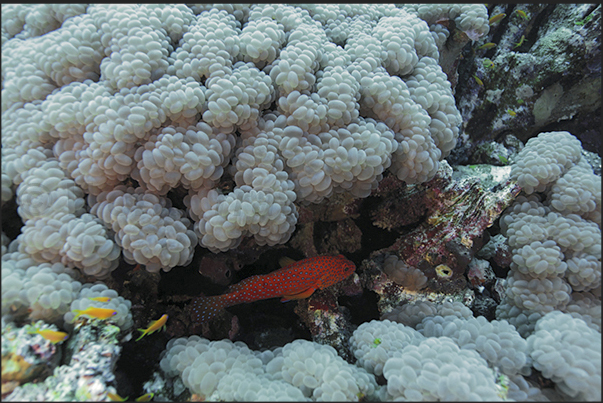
[543,74]
[91,356]
[456,208]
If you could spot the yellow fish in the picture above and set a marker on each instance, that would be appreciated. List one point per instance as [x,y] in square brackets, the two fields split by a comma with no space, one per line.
[488,45]
[98,313]
[51,335]
[512,113]
[488,63]
[154,326]
[477,80]
[495,18]
[146,397]
[116,398]
[522,14]
[100,299]
[518,44]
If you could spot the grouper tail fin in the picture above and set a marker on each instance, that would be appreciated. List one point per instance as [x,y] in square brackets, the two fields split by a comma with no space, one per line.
[205,308]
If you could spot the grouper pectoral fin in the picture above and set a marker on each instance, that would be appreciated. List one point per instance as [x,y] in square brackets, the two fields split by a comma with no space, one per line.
[301,295]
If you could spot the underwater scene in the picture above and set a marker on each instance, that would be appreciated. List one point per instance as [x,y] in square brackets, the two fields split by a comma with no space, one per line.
[301,202]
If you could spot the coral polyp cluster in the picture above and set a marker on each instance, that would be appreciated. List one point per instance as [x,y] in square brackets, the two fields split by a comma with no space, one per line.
[174,99]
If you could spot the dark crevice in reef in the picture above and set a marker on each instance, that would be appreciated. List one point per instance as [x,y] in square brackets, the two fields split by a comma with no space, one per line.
[176,196]
[187,281]
[11,220]
[363,308]
[322,230]
[268,323]
[373,238]
[136,364]
[267,262]
[582,123]
[540,23]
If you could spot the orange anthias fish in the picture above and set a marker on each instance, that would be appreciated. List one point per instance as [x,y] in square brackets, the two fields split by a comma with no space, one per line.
[51,335]
[114,397]
[100,299]
[295,281]
[98,313]
[145,398]
[154,326]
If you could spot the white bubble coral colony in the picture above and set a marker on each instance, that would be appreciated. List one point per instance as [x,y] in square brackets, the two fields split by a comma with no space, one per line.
[410,278]
[554,232]
[437,369]
[568,352]
[374,342]
[301,370]
[451,357]
[172,96]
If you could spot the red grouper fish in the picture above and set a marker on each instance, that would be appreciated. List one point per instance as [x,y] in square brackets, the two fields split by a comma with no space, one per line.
[295,281]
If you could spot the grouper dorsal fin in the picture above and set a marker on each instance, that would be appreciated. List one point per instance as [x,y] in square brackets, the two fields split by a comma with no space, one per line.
[285,261]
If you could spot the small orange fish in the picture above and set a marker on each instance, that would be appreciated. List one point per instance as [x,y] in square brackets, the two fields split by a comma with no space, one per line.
[295,281]
[100,299]
[145,398]
[488,45]
[51,335]
[154,326]
[98,313]
[116,398]
[495,18]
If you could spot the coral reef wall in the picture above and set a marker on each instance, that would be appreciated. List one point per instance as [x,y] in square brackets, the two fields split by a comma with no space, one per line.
[163,166]
[543,74]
